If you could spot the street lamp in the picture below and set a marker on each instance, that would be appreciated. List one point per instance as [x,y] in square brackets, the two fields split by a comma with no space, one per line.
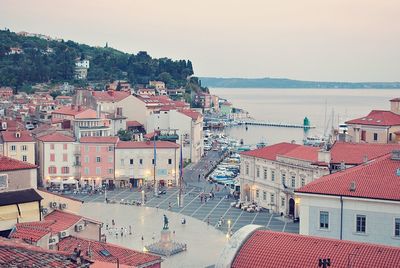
[142,197]
[228,235]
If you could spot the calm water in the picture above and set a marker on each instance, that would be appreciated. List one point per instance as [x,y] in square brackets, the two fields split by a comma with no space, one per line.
[292,105]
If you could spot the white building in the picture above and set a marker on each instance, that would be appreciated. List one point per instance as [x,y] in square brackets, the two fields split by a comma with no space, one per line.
[188,125]
[57,160]
[269,175]
[82,64]
[360,203]
[134,163]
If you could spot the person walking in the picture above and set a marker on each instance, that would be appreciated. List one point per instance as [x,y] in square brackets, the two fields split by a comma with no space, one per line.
[130,230]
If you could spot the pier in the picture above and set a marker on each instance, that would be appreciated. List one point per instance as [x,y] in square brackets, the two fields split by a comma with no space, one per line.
[271,124]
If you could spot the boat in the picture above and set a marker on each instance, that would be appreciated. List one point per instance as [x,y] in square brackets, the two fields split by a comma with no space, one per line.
[314,141]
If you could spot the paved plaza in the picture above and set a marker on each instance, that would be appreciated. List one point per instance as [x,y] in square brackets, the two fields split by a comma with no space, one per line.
[209,212]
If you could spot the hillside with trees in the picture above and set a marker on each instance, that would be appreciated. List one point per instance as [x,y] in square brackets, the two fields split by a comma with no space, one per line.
[53,61]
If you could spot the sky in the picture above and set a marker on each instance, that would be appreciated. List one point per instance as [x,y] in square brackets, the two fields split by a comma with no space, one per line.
[324,40]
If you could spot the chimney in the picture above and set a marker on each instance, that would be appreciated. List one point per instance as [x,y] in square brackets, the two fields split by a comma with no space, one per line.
[352,186]
[395,155]
[365,159]
[324,156]
[342,165]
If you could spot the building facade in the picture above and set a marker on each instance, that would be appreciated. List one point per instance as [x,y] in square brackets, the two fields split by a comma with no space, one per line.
[19,145]
[360,204]
[134,163]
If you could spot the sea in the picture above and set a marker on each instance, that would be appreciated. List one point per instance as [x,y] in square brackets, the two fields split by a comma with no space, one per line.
[323,107]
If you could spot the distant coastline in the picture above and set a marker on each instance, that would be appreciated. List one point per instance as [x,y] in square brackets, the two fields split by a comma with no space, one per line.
[289,83]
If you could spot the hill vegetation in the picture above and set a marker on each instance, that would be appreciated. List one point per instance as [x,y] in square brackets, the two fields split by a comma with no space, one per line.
[51,61]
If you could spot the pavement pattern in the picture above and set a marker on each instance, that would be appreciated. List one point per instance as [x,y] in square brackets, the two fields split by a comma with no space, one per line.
[210,211]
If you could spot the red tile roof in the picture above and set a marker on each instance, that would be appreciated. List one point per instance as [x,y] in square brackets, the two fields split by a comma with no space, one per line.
[110,95]
[10,136]
[99,140]
[31,231]
[307,153]
[125,256]
[191,113]
[354,153]
[146,145]
[270,152]
[62,220]
[133,124]
[67,110]
[378,118]
[56,137]
[376,179]
[8,164]
[276,250]
[14,253]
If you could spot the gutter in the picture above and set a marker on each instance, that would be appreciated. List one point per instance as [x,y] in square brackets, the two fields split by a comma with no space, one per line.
[341,217]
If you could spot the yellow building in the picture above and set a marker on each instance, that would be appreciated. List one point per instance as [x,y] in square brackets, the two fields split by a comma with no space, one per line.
[19,145]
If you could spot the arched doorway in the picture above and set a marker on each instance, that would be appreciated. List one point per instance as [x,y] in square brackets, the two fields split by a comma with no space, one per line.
[291,207]
[246,193]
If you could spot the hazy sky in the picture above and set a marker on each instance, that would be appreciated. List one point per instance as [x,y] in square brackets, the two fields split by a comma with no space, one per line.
[347,40]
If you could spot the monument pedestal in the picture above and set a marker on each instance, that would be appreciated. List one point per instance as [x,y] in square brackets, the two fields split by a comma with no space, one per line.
[166,247]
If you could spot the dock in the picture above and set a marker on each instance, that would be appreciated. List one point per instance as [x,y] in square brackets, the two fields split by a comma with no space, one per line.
[271,124]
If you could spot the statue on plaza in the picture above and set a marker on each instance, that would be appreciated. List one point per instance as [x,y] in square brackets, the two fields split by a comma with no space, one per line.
[165,227]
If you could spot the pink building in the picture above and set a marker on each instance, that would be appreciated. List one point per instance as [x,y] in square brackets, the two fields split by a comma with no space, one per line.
[97,161]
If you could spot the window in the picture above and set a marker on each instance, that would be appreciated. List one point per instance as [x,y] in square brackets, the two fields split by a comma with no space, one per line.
[52,157]
[323,220]
[52,146]
[258,171]
[110,148]
[257,193]
[24,158]
[390,137]
[3,181]
[397,227]
[141,161]
[264,195]
[110,159]
[98,159]
[86,171]
[265,173]
[98,170]
[131,161]
[65,157]
[24,148]
[375,136]
[52,170]
[303,181]
[110,171]
[13,148]
[169,161]
[272,175]
[283,179]
[293,181]
[272,199]
[282,201]
[65,146]
[65,170]
[361,221]
[247,169]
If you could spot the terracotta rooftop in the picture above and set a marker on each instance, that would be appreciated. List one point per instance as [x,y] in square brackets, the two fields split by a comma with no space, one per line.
[9,164]
[191,113]
[354,153]
[69,110]
[99,140]
[307,153]
[146,145]
[276,250]
[11,136]
[56,137]
[270,152]
[62,220]
[133,124]
[110,95]
[125,256]
[378,118]
[377,179]
[31,231]
[18,254]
